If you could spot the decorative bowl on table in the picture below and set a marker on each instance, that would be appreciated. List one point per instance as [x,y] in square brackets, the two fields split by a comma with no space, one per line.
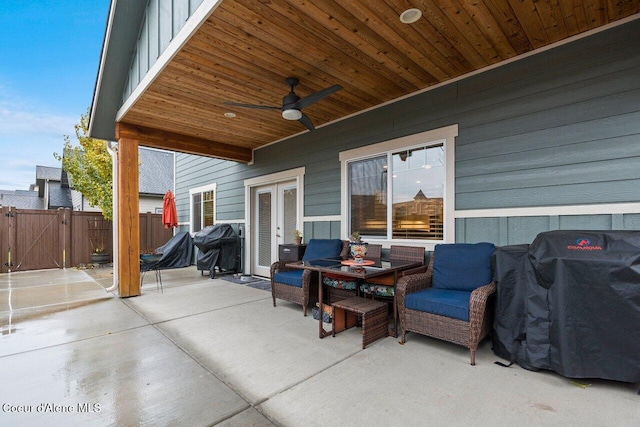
[358,251]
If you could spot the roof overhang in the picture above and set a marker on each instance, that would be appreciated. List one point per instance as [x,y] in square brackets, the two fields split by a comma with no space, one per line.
[118,48]
[242,50]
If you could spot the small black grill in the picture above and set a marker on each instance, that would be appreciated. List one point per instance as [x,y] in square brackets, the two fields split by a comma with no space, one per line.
[217,248]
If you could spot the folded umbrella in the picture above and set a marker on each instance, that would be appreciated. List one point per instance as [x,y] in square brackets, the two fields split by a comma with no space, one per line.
[169,213]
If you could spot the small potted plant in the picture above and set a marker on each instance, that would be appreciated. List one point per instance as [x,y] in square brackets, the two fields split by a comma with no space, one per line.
[297,237]
[357,246]
[98,230]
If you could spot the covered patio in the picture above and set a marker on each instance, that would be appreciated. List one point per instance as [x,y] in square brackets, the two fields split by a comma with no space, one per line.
[74,354]
[180,77]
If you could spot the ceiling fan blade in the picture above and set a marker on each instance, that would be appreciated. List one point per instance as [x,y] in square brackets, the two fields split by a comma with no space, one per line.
[315,97]
[305,120]
[261,107]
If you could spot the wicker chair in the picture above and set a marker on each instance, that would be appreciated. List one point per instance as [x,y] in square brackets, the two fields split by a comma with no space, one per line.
[301,286]
[461,272]
[341,287]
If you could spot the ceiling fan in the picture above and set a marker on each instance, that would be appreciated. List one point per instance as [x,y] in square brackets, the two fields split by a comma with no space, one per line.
[292,104]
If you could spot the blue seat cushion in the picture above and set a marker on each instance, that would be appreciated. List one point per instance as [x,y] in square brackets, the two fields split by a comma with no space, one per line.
[291,278]
[462,266]
[322,248]
[445,302]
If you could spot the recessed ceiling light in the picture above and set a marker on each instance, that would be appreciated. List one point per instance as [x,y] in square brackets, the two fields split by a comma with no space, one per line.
[410,16]
[230,115]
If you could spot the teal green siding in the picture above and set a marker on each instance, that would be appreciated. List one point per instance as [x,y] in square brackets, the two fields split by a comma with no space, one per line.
[163,20]
[558,128]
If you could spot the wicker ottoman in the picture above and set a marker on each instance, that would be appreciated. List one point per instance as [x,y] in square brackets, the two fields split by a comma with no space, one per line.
[374,317]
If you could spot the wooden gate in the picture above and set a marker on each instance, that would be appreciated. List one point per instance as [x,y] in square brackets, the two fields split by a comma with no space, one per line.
[33,239]
[43,239]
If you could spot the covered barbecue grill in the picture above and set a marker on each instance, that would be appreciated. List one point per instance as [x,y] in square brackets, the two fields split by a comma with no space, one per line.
[570,302]
[217,248]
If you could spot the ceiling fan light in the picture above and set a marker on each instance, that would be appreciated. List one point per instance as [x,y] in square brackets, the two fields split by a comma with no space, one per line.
[410,16]
[291,114]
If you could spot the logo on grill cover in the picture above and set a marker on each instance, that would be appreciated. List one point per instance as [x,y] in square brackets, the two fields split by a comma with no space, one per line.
[584,244]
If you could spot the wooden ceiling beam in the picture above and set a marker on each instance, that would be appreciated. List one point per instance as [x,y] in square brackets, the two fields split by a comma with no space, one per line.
[261,121]
[155,138]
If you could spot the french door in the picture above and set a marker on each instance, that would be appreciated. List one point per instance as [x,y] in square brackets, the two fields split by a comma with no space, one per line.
[274,217]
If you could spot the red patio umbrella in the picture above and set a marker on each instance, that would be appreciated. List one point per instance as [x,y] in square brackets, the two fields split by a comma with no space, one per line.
[169,213]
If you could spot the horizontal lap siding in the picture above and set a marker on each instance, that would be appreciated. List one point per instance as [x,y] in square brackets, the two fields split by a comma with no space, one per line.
[518,230]
[197,171]
[558,128]
[569,135]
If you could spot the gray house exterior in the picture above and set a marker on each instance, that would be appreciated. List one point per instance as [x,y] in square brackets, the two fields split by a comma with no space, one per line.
[531,114]
[549,141]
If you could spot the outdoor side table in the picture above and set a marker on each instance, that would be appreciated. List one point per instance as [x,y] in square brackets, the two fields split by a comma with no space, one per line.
[374,317]
[364,272]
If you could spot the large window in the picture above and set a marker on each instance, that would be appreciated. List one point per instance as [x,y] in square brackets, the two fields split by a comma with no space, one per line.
[203,212]
[399,190]
[417,178]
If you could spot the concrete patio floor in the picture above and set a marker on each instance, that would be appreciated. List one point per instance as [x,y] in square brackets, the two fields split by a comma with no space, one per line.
[212,352]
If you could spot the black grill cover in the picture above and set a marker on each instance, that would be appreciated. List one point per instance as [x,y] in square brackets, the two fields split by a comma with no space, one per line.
[509,324]
[582,305]
[217,245]
[176,253]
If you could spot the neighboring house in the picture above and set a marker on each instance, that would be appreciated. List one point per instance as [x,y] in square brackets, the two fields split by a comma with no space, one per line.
[21,199]
[155,178]
[499,153]
[49,192]
[50,188]
[54,187]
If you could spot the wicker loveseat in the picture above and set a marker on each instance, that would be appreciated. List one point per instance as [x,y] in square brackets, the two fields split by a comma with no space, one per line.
[450,300]
[301,286]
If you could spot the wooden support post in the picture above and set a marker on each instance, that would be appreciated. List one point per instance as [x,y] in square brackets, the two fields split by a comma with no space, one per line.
[128,218]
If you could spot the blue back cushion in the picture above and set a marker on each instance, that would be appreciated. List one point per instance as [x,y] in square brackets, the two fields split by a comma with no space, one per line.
[322,248]
[462,266]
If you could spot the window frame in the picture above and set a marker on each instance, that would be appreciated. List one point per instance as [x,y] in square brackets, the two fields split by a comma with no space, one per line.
[201,190]
[445,136]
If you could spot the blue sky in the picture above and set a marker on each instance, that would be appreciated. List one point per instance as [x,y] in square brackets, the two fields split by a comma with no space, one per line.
[49,57]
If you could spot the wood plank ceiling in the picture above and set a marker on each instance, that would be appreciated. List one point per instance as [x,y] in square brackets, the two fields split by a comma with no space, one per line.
[247,48]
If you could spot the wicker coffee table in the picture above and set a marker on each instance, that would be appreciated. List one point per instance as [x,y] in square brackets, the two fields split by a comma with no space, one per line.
[374,317]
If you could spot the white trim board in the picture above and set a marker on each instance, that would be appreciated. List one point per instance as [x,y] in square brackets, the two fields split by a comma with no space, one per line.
[596,209]
[322,218]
